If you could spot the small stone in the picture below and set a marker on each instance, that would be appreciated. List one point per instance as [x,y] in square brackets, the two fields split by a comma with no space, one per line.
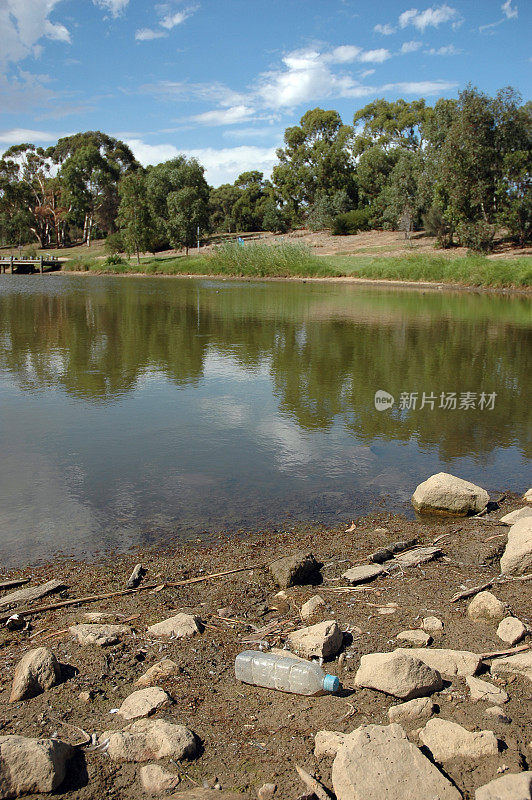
[519,513]
[447,740]
[148,739]
[496,714]
[398,674]
[28,766]
[135,579]
[102,635]
[446,494]
[37,671]
[312,608]
[363,574]
[518,664]
[144,703]
[85,697]
[486,608]
[421,707]
[281,602]
[517,557]
[511,630]
[432,625]
[326,743]
[482,690]
[322,640]
[156,780]
[179,627]
[448,662]
[510,787]
[158,672]
[267,791]
[298,569]
[417,637]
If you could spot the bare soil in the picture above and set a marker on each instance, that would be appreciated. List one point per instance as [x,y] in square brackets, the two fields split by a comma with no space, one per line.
[251,735]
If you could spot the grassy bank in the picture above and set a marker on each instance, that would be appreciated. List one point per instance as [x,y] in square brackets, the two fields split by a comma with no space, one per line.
[292,260]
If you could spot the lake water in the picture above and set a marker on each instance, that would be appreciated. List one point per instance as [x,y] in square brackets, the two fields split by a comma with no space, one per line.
[132,409]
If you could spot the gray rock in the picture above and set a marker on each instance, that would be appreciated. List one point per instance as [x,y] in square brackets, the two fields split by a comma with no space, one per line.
[179,627]
[160,671]
[446,494]
[322,640]
[378,762]
[144,703]
[148,739]
[135,579]
[37,671]
[326,743]
[528,496]
[482,690]
[511,630]
[102,635]
[420,708]
[509,787]
[28,766]
[513,516]
[432,625]
[485,607]
[298,569]
[414,558]
[363,574]
[447,740]
[399,674]
[415,636]
[312,608]
[519,664]
[266,791]
[496,714]
[448,662]
[156,780]
[517,557]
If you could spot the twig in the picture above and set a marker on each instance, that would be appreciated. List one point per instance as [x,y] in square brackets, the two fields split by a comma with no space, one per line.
[14,583]
[499,653]
[53,635]
[314,785]
[471,592]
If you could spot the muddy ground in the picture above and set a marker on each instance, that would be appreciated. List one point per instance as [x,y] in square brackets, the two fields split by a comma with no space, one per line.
[251,735]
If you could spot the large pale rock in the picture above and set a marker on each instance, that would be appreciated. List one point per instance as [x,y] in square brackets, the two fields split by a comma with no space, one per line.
[179,627]
[509,787]
[363,574]
[528,496]
[482,690]
[144,703]
[377,762]
[102,635]
[447,740]
[433,625]
[519,664]
[158,672]
[420,708]
[312,608]
[326,743]
[36,671]
[28,766]
[148,739]
[399,674]
[156,780]
[415,636]
[295,570]
[511,630]
[517,557]
[519,513]
[323,640]
[448,662]
[446,494]
[485,607]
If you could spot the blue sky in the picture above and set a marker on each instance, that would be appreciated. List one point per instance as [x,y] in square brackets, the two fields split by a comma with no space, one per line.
[221,80]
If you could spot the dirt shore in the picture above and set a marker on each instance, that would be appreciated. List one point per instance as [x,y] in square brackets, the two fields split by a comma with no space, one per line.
[249,735]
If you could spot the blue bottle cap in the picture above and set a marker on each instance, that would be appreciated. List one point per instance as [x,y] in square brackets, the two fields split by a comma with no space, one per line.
[331,683]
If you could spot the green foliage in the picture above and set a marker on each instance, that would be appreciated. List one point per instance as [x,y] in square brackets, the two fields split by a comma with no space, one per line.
[259,260]
[325,208]
[435,224]
[30,252]
[352,222]
[274,219]
[114,243]
[478,236]
[113,260]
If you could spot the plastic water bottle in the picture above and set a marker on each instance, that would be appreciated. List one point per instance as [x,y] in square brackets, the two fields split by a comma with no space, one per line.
[284,673]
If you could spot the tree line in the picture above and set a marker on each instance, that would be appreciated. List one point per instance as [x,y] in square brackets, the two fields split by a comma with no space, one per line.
[461,169]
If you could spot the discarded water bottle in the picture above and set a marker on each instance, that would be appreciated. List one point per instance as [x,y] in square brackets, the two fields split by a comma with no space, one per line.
[284,673]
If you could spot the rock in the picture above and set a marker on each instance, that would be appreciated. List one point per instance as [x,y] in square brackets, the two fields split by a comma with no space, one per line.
[447,740]
[156,780]
[160,671]
[399,674]
[102,635]
[363,574]
[496,714]
[326,743]
[135,579]
[267,791]
[509,787]
[377,762]
[528,496]
[323,640]
[432,625]
[28,766]
[511,630]
[148,739]
[519,513]
[519,664]
[446,494]
[312,607]
[37,671]
[448,662]
[295,570]
[417,636]
[85,697]
[517,557]
[486,608]
[144,703]
[385,553]
[414,558]
[421,707]
[281,602]
[178,627]
[99,616]
[482,690]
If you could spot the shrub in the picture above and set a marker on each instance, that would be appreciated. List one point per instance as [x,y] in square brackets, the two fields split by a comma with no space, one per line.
[352,222]
[114,243]
[437,225]
[30,252]
[113,260]
[477,236]
[274,219]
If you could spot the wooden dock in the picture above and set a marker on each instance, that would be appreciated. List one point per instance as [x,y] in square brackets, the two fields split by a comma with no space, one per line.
[12,263]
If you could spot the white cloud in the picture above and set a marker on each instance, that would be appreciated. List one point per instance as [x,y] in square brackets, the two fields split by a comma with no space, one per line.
[23,24]
[431,17]
[419,87]
[56,32]
[18,135]
[343,54]
[224,116]
[446,50]
[386,29]
[24,91]
[375,56]
[147,34]
[508,10]
[366,73]
[410,47]
[114,6]
[171,20]
[168,20]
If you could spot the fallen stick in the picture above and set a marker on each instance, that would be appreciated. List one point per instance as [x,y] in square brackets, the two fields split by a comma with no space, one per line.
[14,583]
[470,592]
[313,785]
[499,653]
[54,634]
